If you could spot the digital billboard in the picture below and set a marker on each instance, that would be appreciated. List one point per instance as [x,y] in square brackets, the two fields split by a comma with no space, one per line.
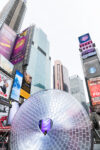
[12,112]
[15,93]
[89,55]
[84,38]
[26,86]
[88,51]
[5,85]
[20,46]
[94,90]
[6,65]
[7,40]
[91,67]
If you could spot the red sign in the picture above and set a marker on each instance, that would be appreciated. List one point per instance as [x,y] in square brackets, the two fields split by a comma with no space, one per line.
[94,89]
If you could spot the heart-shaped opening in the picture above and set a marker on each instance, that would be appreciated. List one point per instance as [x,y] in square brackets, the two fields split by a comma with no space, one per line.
[45,125]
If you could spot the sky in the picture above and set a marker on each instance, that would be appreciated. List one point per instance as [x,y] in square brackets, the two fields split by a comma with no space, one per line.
[64,21]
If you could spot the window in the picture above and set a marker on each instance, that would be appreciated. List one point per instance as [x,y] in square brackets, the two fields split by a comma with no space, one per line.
[49,58]
[41,51]
[32,43]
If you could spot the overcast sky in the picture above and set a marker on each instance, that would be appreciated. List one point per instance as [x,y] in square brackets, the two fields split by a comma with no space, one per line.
[63,21]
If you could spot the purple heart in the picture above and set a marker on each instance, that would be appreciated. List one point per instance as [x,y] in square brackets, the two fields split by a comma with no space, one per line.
[45,125]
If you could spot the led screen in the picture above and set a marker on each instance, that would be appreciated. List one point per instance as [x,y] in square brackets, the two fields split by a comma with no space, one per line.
[5,85]
[89,55]
[7,40]
[15,94]
[84,38]
[94,89]
[6,65]
[26,86]
[91,67]
[88,51]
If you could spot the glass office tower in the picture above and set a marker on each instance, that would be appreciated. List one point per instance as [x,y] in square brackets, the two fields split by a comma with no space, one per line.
[77,88]
[13,14]
[39,66]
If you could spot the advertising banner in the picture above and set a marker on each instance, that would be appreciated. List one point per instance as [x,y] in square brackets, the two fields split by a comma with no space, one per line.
[6,65]
[15,94]
[84,38]
[26,86]
[20,46]
[89,55]
[4,111]
[88,51]
[5,85]
[7,40]
[94,89]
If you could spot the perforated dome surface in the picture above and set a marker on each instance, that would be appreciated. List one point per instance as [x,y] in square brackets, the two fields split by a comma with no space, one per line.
[71,129]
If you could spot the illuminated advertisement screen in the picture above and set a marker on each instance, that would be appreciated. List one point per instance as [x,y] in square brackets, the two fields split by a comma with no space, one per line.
[91,67]
[88,51]
[5,85]
[12,112]
[20,47]
[84,38]
[15,94]
[7,40]
[26,86]
[94,89]
[89,55]
[4,112]
[6,65]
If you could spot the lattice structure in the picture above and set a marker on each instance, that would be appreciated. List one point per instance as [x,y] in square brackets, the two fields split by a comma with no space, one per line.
[71,128]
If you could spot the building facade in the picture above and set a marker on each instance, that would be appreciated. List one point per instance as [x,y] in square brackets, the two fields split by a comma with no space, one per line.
[13,14]
[39,66]
[66,83]
[90,60]
[60,77]
[77,88]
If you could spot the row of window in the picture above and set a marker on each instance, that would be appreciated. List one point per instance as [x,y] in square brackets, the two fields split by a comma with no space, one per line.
[42,51]
[49,58]
[87,47]
[87,43]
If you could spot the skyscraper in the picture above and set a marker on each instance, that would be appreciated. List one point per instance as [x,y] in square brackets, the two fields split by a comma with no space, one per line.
[91,68]
[77,88]
[66,83]
[13,14]
[60,77]
[39,66]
